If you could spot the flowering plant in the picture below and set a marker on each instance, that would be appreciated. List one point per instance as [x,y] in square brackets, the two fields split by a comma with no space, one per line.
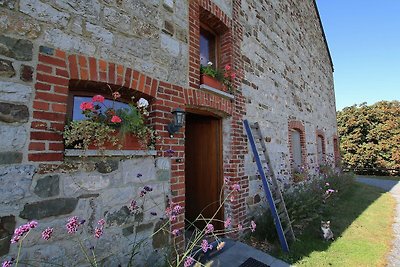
[101,121]
[225,76]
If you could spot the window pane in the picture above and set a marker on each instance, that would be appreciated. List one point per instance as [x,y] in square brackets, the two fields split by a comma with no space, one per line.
[207,47]
[77,112]
[296,148]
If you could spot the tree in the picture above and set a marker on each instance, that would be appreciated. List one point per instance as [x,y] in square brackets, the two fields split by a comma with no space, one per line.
[370,137]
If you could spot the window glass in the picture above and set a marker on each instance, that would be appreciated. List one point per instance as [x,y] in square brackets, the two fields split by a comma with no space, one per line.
[77,112]
[207,47]
[296,148]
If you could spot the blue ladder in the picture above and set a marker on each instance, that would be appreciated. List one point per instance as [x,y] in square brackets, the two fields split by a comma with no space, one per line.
[275,198]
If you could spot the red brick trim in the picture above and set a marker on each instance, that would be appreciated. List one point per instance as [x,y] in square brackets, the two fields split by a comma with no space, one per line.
[320,133]
[297,125]
[200,99]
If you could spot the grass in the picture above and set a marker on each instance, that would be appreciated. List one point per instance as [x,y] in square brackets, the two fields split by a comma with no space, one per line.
[361,221]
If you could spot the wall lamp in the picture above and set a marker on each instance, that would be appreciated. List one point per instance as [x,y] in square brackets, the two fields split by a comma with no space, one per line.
[178,121]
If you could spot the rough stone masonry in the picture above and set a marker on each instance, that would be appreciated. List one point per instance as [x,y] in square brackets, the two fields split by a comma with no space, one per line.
[285,74]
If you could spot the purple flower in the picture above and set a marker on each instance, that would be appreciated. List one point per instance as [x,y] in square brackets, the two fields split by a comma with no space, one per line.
[139,175]
[253,226]
[205,246]
[188,262]
[72,225]
[227,222]
[46,234]
[98,232]
[148,188]
[101,222]
[133,206]
[236,187]
[23,229]
[142,193]
[176,232]
[7,264]
[209,228]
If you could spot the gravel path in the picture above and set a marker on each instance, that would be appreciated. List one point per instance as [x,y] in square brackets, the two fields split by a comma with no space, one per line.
[394,188]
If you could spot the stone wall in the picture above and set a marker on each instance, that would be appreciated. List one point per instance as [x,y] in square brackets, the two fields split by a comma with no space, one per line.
[90,189]
[288,78]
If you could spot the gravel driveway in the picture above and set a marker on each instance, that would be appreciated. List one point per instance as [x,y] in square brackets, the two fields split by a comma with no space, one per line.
[394,188]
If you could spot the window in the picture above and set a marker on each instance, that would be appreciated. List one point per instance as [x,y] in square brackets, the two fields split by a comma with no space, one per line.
[320,149]
[208,47]
[336,150]
[296,148]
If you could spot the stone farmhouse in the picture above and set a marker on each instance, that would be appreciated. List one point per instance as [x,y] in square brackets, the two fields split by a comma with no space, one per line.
[53,51]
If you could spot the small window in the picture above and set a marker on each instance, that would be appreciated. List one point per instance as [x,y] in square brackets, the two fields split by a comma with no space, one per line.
[320,149]
[208,47]
[296,148]
[336,151]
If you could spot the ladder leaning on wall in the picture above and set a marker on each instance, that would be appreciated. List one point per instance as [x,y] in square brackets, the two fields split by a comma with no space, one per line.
[272,191]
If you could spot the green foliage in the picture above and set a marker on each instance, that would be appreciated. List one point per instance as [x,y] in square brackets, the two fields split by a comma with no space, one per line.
[81,134]
[212,72]
[370,137]
[306,202]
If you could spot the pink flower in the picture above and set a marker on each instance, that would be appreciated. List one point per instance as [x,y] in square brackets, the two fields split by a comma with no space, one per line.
[98,98]
[233,75]
[227,222]
[98,232]
[23,229]
[86,106]
[72,225]
[209,228]
[9,264]
[116,95]
[133,205]
[188,262]
[240,227]
[46,234]
[176,232]
[205,246]
[227,67]
[101,222]
[236,187]
[326,184]
[116,119]
[253,226]
[226,180]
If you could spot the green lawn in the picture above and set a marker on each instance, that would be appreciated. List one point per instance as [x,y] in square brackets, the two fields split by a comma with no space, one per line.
[361,221]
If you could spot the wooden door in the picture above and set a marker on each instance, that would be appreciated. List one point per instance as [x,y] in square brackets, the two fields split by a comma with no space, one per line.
[203,152]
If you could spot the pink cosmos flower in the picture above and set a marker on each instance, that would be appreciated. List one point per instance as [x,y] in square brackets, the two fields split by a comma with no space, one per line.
[188,262]
[233,75]
[227,222]
[205,246]
[227,67]
[101,222]
[116,119]
[326,184]
[86,105]
[209,228]
[46,234]
[98,98]
[253,226]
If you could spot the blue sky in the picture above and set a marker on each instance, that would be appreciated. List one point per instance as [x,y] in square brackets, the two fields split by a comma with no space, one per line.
[364,41]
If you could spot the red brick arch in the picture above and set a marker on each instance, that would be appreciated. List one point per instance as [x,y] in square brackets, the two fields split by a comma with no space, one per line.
[297,125]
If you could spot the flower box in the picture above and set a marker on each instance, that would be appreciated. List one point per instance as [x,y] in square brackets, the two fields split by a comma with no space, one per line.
[212,82]
[126,142]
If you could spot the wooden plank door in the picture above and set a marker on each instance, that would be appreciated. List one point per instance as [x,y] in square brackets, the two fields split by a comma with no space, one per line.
[203,171]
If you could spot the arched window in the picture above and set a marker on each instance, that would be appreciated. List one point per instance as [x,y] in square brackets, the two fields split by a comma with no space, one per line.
[321,150]
[296,148]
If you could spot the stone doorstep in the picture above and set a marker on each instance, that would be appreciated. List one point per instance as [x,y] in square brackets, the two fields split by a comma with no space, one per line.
[234,253]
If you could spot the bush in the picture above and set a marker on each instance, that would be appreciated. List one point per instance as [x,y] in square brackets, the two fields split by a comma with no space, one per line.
[306,202]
